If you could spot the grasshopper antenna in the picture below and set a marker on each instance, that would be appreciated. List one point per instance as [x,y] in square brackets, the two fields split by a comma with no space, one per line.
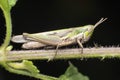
[99,22]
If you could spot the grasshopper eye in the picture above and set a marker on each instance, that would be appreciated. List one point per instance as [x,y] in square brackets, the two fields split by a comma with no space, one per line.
[87,29]
[90,28]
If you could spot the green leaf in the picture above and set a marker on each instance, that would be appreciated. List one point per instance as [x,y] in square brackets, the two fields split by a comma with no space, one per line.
[12,2]
[72,74]
[25,65]
[7,4]
[4,5]
[26,68]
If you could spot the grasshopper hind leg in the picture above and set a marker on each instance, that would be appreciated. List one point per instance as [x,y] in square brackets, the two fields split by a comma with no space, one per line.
[56,51]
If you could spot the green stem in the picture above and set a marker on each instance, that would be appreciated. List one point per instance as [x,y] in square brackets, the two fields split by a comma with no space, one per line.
[108,52]
[39,76]
[45,77]
[8,30]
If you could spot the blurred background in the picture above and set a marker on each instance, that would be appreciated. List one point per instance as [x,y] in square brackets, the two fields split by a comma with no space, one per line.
[44,15]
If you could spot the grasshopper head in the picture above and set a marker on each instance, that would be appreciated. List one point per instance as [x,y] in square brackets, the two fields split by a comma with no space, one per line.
[90,28]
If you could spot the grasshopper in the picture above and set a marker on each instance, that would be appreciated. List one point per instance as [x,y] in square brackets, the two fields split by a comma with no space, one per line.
[57,38]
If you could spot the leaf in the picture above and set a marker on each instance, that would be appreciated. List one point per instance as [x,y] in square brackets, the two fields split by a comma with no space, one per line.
[25,65]
[27,68]
[6,5]
[12,2]
[72,74]
[30,67]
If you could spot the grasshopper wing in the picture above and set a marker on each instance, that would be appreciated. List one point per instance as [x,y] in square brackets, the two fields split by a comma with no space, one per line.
[60,33]
[37,40]
[43,38]
[19,39]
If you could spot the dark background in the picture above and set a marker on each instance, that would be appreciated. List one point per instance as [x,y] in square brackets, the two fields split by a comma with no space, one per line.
[43,15]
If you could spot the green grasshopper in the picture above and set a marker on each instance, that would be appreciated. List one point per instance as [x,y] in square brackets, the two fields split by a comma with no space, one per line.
[57,38]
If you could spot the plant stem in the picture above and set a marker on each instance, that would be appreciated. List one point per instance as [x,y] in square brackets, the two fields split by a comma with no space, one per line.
[38,76]
[108,52]
[44,77]
[8,30]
